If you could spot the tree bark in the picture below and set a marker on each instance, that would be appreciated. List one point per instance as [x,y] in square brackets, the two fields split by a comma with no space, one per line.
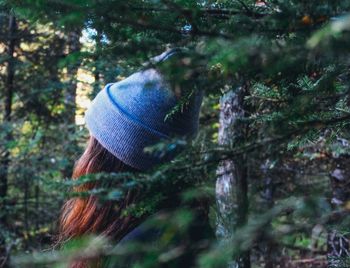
[232,184]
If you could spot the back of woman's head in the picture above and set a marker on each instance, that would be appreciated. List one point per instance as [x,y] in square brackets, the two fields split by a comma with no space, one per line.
[124,118]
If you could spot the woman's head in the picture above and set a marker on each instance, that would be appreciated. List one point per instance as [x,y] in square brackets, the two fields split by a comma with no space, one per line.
[127,116]
[124,118]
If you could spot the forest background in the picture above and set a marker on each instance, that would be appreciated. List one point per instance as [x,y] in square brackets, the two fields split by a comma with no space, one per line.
[273,148]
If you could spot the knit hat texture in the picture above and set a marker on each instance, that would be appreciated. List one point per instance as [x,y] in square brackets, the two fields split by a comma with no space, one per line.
[127,116]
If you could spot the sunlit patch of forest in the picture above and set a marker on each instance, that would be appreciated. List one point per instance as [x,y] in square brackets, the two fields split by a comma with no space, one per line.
[269,166]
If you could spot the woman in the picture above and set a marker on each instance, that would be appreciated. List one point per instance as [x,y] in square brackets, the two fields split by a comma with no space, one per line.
[124,118]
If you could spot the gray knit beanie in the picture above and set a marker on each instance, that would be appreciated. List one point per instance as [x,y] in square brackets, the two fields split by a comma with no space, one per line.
[127,116]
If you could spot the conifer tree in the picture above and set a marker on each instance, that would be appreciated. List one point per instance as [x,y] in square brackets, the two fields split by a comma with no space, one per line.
[281,71]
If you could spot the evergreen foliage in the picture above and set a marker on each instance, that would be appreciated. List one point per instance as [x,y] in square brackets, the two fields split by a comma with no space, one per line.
[287,62]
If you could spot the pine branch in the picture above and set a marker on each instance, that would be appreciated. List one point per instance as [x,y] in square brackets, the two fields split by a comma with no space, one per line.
[148,26]
[226,13]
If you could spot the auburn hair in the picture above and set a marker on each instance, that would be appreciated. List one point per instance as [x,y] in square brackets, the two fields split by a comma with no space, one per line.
[87,215]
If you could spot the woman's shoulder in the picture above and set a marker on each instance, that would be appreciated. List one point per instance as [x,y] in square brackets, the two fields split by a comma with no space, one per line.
[163,233]
[144,233]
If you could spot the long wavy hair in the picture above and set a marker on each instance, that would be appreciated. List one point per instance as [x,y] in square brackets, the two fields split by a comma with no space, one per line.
[86,215]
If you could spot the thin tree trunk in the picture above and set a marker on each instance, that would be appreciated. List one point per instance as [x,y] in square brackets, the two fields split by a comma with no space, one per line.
[5,158]
[36,206]
[267,195]
[25,212]
[338,242]
[9,89]
[232,185]
[70,93]
[74,46]
[96,88]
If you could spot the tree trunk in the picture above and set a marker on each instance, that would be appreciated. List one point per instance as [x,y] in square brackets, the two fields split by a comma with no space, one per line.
[232,185]
[97,88]
[74,46]
[70,93]
[9,88]
[267,195]
[36,206]
[5,157]
[338,242]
